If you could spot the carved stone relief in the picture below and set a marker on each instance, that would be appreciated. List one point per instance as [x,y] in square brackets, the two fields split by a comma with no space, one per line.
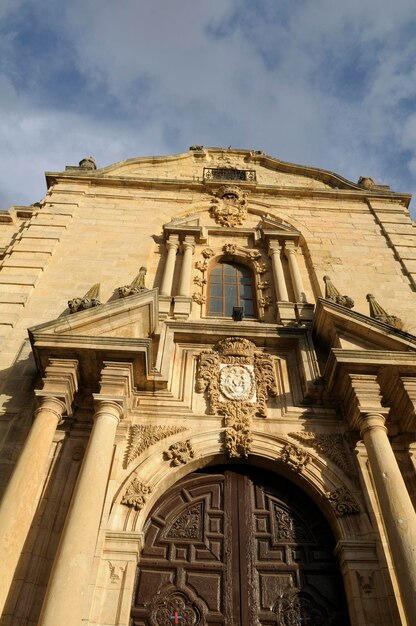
[179,453]
[331,445]
[228,207]
[136,494]
[116,572]
[237,380]
[136,286]
[343,502]
[295,457]
[142,437]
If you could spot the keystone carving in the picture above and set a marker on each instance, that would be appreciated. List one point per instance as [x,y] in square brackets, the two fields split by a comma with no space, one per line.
[330,445]
[295,457]
[343,502]
[142,437]
[180,453]
[237,380]
[136,494]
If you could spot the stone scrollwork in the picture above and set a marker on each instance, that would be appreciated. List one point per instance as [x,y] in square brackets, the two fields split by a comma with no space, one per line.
[237,380]
[295,457]
[136,494]
[179,453]
[343,502]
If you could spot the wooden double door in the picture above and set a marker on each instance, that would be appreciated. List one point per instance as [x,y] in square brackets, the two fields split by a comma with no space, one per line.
[237,547]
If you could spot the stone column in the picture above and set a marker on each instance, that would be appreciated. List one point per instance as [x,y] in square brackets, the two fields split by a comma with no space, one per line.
[22,494]
[172,245]
[278,275]
[299,289]
[185,282]
[66,600]
[396,508]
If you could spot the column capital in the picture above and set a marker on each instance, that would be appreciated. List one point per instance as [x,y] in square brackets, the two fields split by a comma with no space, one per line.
[60,383]
[108,406]
[274,248]
[290,247]
[188,243]
[51,405]
[362,397]
[116,385]
[172,242]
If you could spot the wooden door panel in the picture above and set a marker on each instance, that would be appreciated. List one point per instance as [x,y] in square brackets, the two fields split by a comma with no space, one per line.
[237,548]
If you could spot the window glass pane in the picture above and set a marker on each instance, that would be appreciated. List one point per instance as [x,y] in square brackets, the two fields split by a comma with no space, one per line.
[215,306]
[216,270]
[215,289]
[246,291]
[248,307]
[229,269]
[230,299]
[230,279]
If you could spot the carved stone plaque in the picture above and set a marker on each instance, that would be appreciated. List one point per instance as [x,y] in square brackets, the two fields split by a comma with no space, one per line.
[237,382]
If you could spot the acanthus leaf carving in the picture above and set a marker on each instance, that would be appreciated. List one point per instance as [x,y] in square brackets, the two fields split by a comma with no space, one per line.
[332,445]
[343,502]
[136,494]
[142,437]
[179,453]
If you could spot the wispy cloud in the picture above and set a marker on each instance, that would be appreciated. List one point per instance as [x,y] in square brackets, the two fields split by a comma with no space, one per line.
[320,82]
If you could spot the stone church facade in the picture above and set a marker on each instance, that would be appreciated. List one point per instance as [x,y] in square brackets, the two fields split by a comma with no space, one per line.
[208,374]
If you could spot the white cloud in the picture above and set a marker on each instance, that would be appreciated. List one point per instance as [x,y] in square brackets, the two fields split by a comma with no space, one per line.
[276,79]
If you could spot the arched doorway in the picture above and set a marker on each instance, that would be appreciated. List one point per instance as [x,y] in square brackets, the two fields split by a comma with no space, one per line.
[237,546]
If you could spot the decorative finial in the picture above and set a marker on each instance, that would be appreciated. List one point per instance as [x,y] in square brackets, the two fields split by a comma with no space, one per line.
[378,313]
[89,301]
[332,294]
[136,286]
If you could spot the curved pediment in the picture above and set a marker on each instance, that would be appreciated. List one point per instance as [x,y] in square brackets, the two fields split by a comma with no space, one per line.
[208,165]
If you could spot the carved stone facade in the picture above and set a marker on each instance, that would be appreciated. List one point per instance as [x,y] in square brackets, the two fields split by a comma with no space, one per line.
[110,398]
[237,380]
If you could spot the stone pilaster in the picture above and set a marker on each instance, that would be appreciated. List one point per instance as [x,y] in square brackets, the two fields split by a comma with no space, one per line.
[21,497]
[71,571]
[366,413]
[172,245]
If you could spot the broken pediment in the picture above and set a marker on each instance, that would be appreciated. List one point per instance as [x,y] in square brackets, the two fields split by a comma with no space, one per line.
[216,166]
[120,329]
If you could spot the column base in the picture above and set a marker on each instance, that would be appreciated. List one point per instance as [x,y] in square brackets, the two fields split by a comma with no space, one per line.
[165,303]
[286,313]
[182,306]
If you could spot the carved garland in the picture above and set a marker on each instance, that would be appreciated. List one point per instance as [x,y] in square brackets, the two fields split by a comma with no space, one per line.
[237,380]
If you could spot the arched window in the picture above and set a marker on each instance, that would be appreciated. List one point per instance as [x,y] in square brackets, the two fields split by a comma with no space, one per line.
[230,285]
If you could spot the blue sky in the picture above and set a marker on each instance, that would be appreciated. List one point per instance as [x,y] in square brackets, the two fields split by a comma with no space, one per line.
[317,82]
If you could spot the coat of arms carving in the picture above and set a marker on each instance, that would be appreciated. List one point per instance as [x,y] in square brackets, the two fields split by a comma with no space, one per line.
[228,207]
[237,379]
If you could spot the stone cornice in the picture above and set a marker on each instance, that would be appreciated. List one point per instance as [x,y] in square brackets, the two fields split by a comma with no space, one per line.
[353,193]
